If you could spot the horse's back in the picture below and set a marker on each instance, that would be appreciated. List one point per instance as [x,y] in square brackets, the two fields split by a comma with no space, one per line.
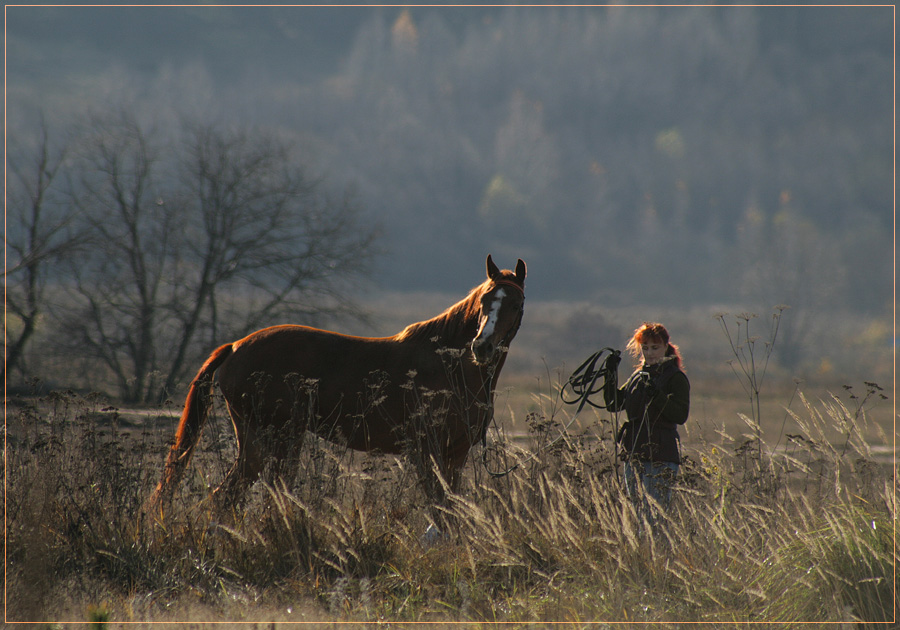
[309,353]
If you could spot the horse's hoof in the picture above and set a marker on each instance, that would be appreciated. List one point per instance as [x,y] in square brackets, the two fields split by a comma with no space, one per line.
[432,537]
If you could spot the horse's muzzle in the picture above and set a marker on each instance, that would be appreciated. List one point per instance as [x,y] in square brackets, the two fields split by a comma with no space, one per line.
[484,351]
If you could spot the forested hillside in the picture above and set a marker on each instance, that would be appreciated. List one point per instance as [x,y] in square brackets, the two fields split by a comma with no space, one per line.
[631,155]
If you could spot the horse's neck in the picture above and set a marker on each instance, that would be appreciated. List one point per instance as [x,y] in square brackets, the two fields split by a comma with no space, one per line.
[455,332]
[454,328]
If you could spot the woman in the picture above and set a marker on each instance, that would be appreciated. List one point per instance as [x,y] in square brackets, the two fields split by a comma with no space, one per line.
[656,399]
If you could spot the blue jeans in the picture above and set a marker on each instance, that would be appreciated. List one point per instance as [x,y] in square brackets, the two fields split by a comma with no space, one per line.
[657,479]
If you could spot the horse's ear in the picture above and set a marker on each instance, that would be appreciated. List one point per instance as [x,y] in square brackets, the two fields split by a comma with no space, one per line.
[520,271]
[492,270]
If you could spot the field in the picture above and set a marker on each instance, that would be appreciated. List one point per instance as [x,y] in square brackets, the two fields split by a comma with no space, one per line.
[782,515]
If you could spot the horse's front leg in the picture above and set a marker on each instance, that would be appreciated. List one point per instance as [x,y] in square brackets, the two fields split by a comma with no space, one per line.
[446,480]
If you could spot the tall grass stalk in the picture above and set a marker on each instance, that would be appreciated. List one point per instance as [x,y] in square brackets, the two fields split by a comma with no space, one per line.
[751,361]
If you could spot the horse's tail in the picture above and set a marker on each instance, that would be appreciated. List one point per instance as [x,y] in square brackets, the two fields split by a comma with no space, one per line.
[193,418]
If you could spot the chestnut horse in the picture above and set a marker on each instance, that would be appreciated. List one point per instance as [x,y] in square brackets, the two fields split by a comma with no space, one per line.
[427,391]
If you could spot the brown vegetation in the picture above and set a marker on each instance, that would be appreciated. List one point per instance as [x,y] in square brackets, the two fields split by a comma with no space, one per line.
[804,532]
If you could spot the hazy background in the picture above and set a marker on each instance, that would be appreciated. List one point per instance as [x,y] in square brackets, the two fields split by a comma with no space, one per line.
[665,163]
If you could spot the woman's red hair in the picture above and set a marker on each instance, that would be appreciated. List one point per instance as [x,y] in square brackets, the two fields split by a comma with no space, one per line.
[649,332]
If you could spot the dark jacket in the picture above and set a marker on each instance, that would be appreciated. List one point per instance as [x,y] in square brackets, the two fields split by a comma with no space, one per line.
[656,399]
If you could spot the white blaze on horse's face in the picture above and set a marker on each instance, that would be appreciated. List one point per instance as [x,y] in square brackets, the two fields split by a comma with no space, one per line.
[499,314]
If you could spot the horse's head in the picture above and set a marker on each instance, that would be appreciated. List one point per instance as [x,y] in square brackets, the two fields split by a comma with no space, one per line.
[502,305]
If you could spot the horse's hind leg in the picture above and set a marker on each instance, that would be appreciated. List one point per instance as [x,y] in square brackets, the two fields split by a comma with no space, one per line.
[251,460]
[271,458]
[284,464]
[268,451]
[232,492]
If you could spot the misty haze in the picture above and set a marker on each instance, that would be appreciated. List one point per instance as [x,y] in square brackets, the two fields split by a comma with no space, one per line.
[647,163]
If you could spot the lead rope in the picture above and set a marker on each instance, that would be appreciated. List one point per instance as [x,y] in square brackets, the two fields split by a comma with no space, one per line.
[583,384]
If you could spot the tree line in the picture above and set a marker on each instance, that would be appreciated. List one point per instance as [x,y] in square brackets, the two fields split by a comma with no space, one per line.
[633,139]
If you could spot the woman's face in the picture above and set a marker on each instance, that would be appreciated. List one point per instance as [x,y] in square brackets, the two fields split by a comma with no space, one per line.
[653,351]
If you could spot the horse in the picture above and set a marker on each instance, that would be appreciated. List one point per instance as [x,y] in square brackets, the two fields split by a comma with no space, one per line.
[427,392]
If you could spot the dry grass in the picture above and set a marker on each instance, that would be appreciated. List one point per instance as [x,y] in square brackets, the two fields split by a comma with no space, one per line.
[799,533]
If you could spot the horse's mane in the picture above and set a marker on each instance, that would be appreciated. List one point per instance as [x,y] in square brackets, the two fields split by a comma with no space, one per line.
[451,323]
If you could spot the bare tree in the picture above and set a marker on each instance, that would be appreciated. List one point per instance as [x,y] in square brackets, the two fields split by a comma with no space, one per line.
[38,236]
[261,228]
[200,239]
[121,283]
